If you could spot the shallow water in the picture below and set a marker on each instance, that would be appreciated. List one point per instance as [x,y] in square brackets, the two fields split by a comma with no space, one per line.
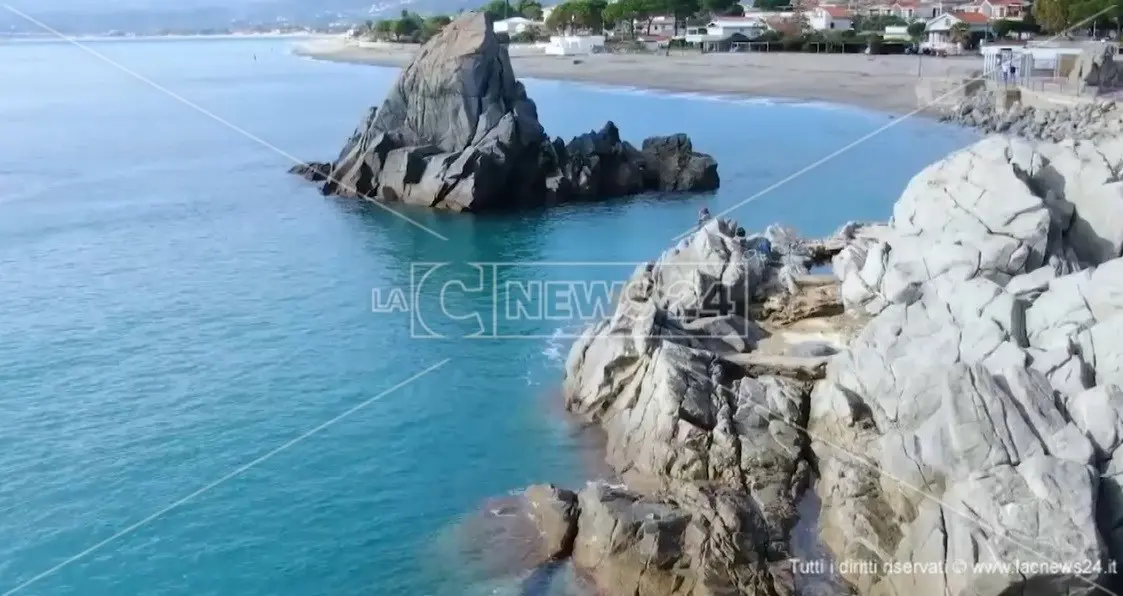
[173,306]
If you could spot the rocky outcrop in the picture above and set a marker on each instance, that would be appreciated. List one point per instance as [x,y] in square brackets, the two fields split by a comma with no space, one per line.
[702,413]
[1096,67]
[1091,120]
[957,389]
[958,427]
[458,132]
[554,511]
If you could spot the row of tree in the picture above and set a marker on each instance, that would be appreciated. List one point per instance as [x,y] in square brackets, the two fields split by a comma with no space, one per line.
[412,27]
[1057,16]
[1053,16]
[409,27]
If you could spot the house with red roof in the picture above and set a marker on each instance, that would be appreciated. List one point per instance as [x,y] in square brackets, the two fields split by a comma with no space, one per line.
[1012,10]
[830,18]
[938,31]
[914,10]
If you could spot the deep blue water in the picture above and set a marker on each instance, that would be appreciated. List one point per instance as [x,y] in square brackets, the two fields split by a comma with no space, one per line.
[174,306]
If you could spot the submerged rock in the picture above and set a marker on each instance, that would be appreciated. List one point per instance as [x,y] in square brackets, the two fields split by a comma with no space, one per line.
[457,131]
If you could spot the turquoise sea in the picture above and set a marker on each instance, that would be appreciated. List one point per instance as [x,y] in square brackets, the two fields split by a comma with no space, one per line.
[187,332]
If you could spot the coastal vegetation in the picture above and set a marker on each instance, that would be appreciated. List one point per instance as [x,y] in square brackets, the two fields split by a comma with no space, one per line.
[1056,16]
[633,18]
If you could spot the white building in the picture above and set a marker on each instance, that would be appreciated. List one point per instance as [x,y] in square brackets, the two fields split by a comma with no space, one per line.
[1011,10]
[829,18]
[723,27]
[896,33]
[938,30]
[513,25]
[573,45]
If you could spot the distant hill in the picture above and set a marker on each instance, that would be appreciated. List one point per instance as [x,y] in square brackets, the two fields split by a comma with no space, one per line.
[153,16]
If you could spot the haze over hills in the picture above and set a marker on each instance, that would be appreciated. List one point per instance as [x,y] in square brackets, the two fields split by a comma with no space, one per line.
[154,16]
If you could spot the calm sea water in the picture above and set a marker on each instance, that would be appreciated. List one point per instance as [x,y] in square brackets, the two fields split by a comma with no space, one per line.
[173,306]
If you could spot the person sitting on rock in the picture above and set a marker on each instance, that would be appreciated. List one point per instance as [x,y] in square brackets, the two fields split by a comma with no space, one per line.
[703,216]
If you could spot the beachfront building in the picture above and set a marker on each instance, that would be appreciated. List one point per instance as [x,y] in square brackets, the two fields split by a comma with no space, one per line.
[830,18]
[912,10]
[1010,10]
[938,34]
[513,25]
[573,45]
[725,28]
[896,33]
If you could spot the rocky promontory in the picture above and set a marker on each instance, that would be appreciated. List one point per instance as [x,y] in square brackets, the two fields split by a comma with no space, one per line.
[1075,117]
[952,393]
[458,132]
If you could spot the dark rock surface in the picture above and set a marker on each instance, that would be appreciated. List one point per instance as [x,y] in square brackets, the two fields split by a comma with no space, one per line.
[457,131]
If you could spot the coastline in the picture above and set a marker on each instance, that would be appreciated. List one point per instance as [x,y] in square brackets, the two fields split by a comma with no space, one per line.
[885,84]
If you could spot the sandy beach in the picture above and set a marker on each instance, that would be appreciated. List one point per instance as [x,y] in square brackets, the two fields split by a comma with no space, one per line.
[884,83]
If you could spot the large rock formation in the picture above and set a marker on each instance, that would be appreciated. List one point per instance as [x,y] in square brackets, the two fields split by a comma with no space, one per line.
[457,131]
[1096,67]
[957,390]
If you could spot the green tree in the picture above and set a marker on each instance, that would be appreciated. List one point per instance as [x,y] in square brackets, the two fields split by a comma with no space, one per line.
[408,27]
[681,10]
[1053,15]
[614,14]
[433,25]
[916,30]
[717,7]
[735,11]
[384,28]
[592,14]
[530,9]
[561,18]
[498,9]
[960,33]
[877,23]
[1003,27]
[772,4]
[1095,15]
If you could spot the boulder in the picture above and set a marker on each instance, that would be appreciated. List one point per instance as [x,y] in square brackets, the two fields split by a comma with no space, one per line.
[939,444]
[692,546]
[458,132]
[554,511]
[708,442]
[675,165]
[1001,209]
[1096,67]
[976,417]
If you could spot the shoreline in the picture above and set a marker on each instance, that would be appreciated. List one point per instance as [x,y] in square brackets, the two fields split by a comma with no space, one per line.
[883,84]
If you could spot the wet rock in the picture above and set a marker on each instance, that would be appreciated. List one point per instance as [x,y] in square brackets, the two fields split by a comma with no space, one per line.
[555,512]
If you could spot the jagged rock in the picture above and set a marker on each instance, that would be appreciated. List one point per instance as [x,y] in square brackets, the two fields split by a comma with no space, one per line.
[1090,120]
[1000,209]
[554,511]
[313,172]
[457,131]
[699,426]
[1096,67]
[938,444]
[976,417]
[632,544]
[677,167]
